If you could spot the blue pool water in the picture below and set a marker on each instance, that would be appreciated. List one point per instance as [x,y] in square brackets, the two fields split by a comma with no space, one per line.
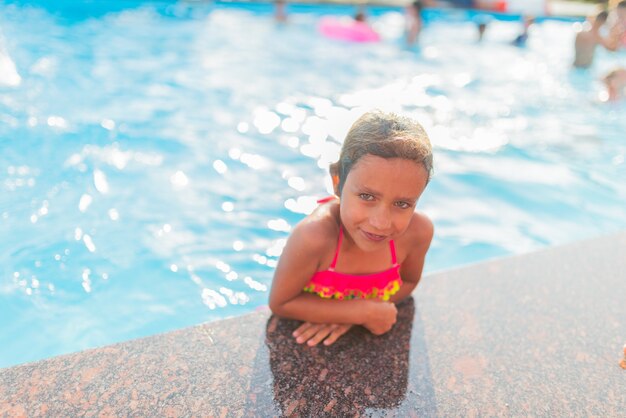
[154,156]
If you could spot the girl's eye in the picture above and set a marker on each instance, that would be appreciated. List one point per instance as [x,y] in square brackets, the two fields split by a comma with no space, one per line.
[366,196]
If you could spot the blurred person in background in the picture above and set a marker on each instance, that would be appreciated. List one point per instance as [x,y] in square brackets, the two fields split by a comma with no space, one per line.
[615,83]
[521,39]
[415,20]
[587,40]
[617,31]
[280,11]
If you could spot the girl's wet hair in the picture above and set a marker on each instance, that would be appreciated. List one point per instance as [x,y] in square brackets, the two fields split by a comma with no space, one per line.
[385,135]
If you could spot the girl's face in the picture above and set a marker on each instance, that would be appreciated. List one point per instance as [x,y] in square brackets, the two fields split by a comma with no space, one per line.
[378,199]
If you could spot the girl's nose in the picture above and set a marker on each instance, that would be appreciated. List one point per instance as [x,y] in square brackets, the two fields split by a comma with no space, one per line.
[380,219]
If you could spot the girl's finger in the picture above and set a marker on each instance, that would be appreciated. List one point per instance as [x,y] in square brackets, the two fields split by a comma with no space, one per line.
[301,329]
[322,333]
[336,333]
[308,333]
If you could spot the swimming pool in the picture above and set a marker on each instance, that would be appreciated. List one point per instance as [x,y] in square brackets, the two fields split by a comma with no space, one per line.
[154,156]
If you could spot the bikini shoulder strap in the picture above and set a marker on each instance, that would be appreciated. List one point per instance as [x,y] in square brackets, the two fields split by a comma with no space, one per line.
[392,248]
[334,263]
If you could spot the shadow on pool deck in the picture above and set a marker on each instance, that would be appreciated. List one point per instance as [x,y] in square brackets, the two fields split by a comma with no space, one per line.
[361,373]
[539,334]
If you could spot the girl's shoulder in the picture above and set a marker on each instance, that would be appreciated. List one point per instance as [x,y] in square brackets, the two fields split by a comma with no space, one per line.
[321,227]
[420,229]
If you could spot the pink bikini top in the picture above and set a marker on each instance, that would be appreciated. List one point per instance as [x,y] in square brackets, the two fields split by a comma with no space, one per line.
[332,284]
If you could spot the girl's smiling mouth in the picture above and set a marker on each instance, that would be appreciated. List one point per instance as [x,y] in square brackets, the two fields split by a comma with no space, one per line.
[373,237]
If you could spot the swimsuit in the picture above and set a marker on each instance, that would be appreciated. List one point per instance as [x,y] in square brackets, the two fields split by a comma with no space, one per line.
[332,284]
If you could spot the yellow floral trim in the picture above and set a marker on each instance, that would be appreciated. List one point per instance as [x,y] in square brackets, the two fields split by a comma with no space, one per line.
[331,293]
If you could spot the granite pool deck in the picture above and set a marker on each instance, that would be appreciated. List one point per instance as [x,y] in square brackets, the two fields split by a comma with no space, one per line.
[533,335]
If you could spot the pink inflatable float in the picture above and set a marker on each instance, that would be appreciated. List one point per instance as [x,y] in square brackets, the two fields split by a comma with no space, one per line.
[347,30]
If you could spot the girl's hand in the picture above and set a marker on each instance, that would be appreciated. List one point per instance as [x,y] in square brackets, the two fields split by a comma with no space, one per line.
[313,334]
[381,317]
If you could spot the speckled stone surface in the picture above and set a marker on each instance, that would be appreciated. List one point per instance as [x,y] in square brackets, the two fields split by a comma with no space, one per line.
[533,335]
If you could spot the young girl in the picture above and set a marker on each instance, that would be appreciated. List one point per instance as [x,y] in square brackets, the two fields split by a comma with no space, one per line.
[359,252]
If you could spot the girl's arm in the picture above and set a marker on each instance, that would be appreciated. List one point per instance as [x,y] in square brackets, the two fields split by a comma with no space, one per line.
[300,259]
[421,234]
